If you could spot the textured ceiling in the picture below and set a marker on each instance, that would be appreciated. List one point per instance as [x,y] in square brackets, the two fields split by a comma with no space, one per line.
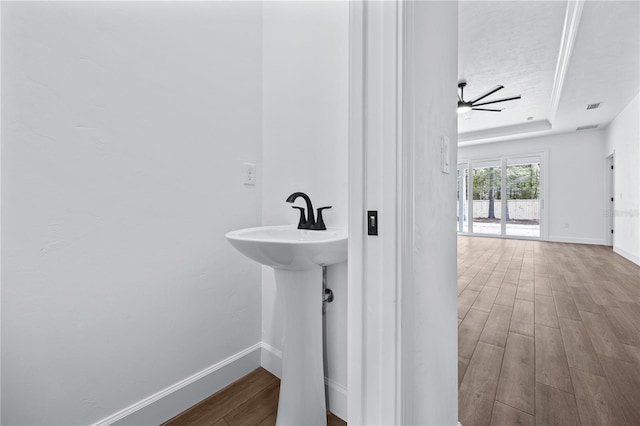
[518,44]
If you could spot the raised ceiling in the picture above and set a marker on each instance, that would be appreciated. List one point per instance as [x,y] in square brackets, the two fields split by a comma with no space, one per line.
[560,56]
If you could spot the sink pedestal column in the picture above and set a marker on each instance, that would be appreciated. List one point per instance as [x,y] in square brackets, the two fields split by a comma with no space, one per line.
[302,399]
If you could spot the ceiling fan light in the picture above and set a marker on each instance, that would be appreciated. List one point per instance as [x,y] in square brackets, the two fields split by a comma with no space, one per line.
[463,108]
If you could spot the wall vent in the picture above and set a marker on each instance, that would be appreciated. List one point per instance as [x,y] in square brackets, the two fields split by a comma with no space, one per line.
[593,106]
[592,126]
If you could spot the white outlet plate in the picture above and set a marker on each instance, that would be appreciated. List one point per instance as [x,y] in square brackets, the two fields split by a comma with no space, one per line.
[249,173]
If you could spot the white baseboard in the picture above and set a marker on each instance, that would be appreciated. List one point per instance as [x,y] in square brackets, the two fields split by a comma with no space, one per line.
[574,240]
[271,360]
[337,402]
[627,255]
[176,398]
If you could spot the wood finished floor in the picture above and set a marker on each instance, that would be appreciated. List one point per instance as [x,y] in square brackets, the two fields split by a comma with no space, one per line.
[548,334]
[250,401]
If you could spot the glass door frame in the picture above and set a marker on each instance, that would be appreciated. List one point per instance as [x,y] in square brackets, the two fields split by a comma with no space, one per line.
[463,185]
[502,159]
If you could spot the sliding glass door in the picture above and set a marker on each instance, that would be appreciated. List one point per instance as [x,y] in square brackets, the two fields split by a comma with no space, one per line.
[503,197]
[523,197]
[487,183]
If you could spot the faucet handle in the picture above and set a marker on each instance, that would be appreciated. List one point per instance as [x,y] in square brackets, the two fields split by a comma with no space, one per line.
[302,223]
[319,225]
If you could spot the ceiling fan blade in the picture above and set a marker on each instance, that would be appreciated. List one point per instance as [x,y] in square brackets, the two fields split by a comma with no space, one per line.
[485,94]
[498,100]
[486,109]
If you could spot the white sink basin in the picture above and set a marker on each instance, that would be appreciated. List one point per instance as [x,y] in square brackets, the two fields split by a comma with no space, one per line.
[288,248]
[297,256]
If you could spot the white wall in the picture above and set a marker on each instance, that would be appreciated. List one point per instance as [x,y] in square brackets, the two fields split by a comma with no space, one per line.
[305,99]
[125,126]
[429,287]
[623,140]
[575,180]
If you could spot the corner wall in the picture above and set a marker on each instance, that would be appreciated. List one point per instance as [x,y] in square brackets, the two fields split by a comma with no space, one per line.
[125,126]
[305,145]
[429,294]
[623,140]
[575,180]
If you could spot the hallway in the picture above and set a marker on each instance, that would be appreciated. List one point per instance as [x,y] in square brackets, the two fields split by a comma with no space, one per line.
[548,334]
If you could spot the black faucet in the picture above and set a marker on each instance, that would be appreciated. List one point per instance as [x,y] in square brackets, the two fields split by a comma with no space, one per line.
[308,222]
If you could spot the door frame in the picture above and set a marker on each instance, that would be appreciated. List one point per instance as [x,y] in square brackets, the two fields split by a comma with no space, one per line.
[381,173]
[375,183]
[609,194]
[463,184]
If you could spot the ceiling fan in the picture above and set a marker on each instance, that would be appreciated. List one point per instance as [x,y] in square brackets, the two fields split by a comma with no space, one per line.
[465,106]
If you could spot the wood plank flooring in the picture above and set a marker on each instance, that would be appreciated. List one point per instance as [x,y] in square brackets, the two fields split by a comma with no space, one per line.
[548,334]
[250,401]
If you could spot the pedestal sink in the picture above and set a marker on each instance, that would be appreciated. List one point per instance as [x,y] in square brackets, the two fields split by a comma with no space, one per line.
[297,257]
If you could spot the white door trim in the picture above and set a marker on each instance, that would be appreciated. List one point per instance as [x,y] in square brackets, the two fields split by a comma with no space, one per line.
[609,192]
[375,70]
[355,291]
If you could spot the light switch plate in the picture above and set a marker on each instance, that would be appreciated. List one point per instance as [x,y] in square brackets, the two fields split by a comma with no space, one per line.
[444,154]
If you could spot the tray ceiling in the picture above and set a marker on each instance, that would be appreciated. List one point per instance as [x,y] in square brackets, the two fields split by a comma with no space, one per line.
[560,56]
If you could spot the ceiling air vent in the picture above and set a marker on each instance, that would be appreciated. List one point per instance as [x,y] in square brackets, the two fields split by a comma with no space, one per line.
[593,106]
[592,126]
